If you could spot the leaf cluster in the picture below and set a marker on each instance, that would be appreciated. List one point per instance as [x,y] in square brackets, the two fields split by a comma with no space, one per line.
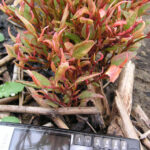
[79,41]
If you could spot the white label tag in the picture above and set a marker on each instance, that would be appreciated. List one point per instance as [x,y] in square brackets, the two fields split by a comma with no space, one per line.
[5,137]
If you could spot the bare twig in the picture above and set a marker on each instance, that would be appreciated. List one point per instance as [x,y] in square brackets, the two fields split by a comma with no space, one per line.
[105,85]
[60,123]
[15,73]
[48,111]
[105,101]
[4,60]
[87,122]
[127,124]
[143,136]
[145,141]
[141,115]
[8,99]
[2,69]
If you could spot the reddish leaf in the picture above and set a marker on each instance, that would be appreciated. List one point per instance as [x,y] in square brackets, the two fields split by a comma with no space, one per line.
[81,12]
[27,24]
[83,78]
[64,17]
[119,23]
[113,72]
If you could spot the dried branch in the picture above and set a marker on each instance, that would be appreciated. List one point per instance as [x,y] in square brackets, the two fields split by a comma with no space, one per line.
[145,141]
[139,114]
[125,87]
[48,111]
[3,69]
[8,99]
[128,127]
[4,60]
[144,135]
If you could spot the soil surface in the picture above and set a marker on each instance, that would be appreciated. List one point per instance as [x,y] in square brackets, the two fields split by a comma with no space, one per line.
[141,93]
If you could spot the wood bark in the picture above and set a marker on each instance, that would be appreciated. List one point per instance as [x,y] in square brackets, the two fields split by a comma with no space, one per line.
[125,89]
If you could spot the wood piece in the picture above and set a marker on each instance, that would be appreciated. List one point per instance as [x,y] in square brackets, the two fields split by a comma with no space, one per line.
[8,99]
[60,123]
[128,127]
[48,111]
[15,73]
[125,89]
[145,141]
[3,69]
[142,121]
[4,60]
[144,135]
[141,115]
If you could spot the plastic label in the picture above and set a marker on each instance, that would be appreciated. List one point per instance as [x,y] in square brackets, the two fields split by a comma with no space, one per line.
[5,137]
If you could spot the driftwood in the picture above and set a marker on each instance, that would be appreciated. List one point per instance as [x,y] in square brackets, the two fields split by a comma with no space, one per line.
[125,89]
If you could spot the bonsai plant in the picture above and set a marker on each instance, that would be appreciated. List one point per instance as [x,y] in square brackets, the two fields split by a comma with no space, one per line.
[78,44]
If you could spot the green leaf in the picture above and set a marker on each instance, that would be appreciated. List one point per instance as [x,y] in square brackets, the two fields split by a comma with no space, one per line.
[28,84]
[131,20]
[39,79]
[10,119]
[143,9]
[27,24]
[73,37]
[10,50]
[89,94]
[123,58]
[2,38]
[82,48]
[10,89]
[60,73]
[66,99]
[64,17]
[92,32]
